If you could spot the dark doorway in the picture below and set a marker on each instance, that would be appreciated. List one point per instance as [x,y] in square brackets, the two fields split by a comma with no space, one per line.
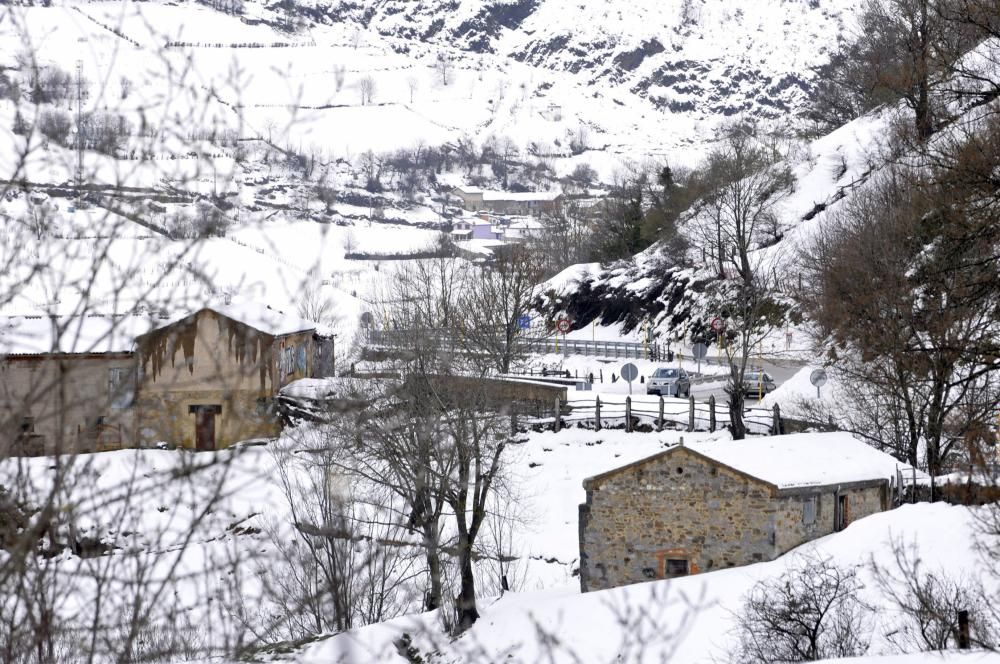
[841,516]
[204,425]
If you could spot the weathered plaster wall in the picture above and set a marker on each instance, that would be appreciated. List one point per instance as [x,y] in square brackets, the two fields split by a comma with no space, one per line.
[78,387]
[211,360]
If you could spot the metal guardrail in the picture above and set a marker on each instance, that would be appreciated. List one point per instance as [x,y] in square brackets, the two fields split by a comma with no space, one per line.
[626,350]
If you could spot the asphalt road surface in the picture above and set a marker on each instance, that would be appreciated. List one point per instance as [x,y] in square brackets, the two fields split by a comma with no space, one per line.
[780,369]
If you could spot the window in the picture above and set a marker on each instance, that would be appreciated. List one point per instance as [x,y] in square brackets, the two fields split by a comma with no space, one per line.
[809,511]
[121,387]
[676,567]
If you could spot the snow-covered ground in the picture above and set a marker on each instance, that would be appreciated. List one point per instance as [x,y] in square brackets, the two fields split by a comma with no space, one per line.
[684,620]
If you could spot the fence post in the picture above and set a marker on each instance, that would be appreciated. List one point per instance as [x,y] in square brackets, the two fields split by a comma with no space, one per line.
[601,372]
[628,414]
[513,420]
[558,419]
[690,413]
[711,413]
[776,421]
[659,423]
[597,413]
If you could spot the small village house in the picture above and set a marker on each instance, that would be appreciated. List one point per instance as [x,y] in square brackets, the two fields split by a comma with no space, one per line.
[721,504]
[210,379]
[534,203]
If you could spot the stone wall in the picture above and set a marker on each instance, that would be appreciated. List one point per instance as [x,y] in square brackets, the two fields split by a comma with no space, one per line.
[792,529]
[682,506]
[676,506]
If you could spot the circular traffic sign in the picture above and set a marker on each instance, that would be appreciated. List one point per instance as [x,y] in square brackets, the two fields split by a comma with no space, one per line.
[717,324]
[818,377]
[563,325]
[699,351]
[629,372]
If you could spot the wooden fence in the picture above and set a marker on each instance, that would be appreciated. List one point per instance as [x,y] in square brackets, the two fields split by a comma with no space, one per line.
[647,416]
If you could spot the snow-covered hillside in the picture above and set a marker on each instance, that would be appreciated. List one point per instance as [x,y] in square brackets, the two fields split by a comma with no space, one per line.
[683,57]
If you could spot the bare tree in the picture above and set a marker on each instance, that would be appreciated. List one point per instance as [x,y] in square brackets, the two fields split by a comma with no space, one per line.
[495,298]
[366,88]
[809,613]
[413,84]
[927,605]
[904,282]
[443,68]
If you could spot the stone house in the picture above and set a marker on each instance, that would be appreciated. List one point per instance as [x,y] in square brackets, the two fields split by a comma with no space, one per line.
[204,380]
[210,379]
[67,384]
[532,203]
[722,504]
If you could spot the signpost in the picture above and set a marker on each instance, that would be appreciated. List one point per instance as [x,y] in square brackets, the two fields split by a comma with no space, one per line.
[563,325]
[629,373]
[699,351]
[524,322]
[818,378]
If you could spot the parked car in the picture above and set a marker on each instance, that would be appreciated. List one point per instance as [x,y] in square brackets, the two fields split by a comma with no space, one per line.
[758,383]
[669,382]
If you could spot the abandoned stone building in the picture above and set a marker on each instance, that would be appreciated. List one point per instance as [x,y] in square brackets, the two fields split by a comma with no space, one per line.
[210,379]
[722,504]
[204,380]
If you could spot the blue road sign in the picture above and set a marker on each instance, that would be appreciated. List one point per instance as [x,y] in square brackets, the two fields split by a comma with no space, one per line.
[524,322]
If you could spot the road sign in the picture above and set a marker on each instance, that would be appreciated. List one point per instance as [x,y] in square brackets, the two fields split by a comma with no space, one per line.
[563,325]
[717,324]
[629,373]
[699,351]
[524,322]
[818,378]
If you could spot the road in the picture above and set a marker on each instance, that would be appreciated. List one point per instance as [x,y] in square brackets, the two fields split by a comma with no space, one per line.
[780,369]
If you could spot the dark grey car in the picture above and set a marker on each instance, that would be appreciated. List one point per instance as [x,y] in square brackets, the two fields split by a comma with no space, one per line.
[669,382]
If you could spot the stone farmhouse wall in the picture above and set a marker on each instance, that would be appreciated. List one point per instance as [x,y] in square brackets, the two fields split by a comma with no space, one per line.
[683,506]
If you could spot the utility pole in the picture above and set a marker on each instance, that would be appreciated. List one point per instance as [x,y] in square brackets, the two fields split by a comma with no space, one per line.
[79,131]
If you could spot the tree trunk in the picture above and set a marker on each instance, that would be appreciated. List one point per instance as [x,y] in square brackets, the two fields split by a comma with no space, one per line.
[467,613]
[737,427]
[433,555]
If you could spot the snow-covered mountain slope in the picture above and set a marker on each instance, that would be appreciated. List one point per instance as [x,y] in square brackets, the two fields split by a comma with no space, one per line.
[824,175]
[710,58]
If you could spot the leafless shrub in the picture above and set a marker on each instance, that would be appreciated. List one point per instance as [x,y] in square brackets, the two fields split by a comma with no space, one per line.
[809,613]
[926,605]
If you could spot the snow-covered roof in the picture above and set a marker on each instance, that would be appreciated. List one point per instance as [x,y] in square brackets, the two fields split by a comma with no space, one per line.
[256,315]
[469,190]
[35,335]
[798,460]
[499,196]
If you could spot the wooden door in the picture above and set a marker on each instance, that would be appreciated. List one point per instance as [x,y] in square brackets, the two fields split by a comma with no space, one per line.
[204,425]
